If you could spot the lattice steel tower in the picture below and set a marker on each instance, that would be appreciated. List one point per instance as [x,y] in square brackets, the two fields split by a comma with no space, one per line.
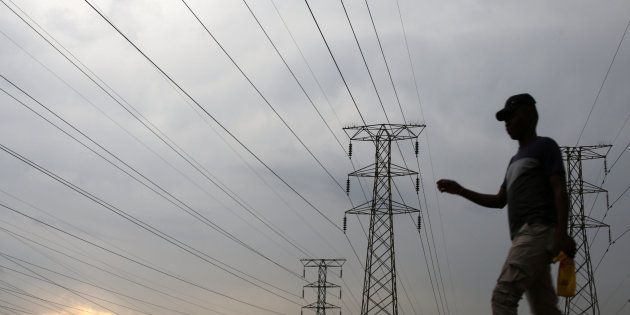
[379,284]
[322,284]
[585,300]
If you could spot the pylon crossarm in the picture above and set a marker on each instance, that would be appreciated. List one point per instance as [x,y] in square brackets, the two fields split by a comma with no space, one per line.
[328,262]
[321,285]
[320,305]
[364,208]
[387,132]
[366,171]
[586,152]
[594,223]
[589,188]
[401,208]
[397,170]
[370,171]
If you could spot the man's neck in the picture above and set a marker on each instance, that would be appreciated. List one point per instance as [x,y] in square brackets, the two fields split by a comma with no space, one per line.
[527,139]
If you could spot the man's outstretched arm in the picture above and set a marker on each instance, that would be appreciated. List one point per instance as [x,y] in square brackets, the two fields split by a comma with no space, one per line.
[485,200]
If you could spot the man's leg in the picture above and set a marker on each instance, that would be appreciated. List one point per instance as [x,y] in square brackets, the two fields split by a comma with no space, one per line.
[527,260]
[509,288]
[541,295]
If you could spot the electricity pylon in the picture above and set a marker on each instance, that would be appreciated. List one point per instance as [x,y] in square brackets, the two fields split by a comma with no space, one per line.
[322,283]
[379,283]
[585,300]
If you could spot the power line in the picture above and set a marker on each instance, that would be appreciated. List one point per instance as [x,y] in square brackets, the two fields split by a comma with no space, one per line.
[151,288]
[621,195]
[90,284]
[49,257]
[22,239]
[153,131]
[14,309]
[79,294]
[253,86]
[373,84]
[134,115]
[335,62]
[356,40]
[18,308]
[288,68]
[212,117]
[379,98]
[308,65]
[402,284]
[133,220]
[417,89]
[623,126]
[10,292]
[437,292]
[173,276]
[367,68]
[293,74]
[609,246]
[202,170]
[599,91]
[209,115]
[17,291]
[614,291]
[305,93]
[625,148]
[622,307]
[389,73]
[188,209]
[4,290]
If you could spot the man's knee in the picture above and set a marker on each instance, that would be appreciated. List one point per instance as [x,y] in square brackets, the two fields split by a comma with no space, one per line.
[505,299]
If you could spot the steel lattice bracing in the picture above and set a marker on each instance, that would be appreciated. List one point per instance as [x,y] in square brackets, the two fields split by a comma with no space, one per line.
[322,285]
[379,284]
[585,301]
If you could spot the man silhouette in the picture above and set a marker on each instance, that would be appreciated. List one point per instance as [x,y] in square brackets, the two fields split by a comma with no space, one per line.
[535,193]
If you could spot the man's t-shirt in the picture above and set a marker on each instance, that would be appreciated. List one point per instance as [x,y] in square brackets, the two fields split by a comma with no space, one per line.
[529,194]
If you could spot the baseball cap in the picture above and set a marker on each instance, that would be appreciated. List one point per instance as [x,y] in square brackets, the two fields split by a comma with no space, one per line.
[513,103]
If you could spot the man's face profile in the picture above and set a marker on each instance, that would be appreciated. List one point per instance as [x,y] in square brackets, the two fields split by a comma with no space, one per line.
[519,122]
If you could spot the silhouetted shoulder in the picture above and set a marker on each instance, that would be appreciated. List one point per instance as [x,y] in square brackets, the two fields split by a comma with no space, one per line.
[551,156]
[548,142]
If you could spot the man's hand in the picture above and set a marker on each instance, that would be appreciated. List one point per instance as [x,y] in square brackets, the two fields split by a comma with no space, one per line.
[449,186]
[564,243]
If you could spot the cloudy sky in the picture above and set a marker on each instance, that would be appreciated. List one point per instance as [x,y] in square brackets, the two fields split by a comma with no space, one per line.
[124,191]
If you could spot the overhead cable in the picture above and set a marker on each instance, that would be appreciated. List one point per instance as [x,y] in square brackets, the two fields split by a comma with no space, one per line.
[172,145]
[308,65]
[131,219]
[155,187]
[10,257]
[91,265]
[601,87]
[157,132]
[286,124]
[213,118]
[310,100]
[80,295]
[173,276]
[335,62]
[417,89]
